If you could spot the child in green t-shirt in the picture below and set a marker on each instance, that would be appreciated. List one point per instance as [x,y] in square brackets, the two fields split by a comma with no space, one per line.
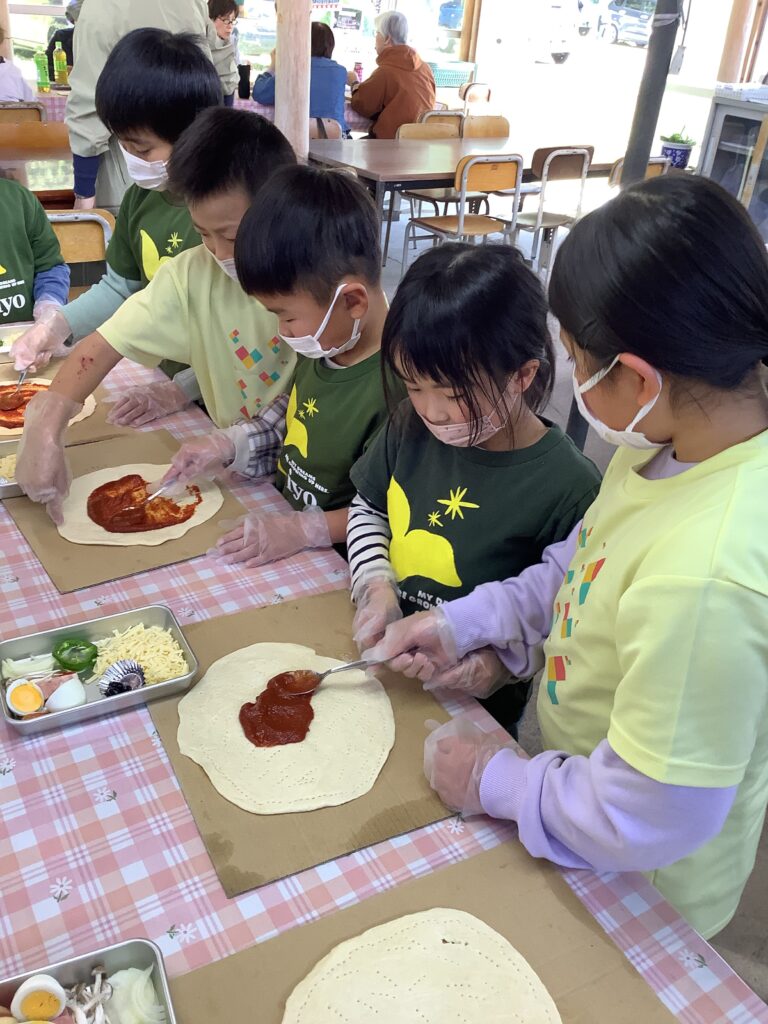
[467,483]
[308,249]
[34,279]
[152,87]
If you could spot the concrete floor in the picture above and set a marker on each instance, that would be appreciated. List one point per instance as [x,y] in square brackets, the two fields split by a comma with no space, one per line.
[744,943]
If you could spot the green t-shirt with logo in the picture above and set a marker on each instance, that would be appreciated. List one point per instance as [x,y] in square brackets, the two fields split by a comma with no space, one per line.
[332,416]
[460,517]
[28,246]
[152,227]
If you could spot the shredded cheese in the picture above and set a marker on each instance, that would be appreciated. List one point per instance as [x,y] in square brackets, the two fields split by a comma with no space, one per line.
[8,467]
[152,647]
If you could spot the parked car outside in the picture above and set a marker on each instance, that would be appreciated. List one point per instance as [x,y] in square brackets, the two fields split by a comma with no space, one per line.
[630,21]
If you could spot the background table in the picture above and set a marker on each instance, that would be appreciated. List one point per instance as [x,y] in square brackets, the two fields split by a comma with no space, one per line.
[355,122]
[97,843]
[55,103]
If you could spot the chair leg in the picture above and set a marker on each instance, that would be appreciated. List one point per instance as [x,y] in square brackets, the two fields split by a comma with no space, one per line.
[408,228]
[389,229]
[545,254]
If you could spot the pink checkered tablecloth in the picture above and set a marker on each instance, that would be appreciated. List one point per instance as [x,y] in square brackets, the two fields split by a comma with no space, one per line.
[55,104]
[98,845]
[355,122]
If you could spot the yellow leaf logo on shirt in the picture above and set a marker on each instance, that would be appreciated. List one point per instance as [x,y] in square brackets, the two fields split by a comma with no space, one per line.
[2,269]
[417,552]
[296,433]
[151,260]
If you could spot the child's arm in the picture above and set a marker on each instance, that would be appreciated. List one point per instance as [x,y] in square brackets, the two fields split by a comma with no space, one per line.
[374,589]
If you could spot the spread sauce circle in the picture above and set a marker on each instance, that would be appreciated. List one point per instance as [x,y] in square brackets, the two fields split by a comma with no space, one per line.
[121,506]
[281,714]
[13,406]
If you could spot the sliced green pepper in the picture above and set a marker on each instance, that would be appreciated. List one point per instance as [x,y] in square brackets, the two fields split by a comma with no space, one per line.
[75,655]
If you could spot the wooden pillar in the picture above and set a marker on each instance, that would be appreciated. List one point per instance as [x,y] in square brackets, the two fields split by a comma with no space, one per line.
[5,25]
[737,40]
[292,73]
[469,30]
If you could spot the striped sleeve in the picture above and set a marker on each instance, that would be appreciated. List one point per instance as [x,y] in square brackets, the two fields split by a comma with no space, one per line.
[368,537]
[258,441]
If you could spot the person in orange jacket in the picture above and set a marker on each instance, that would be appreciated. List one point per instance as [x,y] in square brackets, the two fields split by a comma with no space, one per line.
[401,88]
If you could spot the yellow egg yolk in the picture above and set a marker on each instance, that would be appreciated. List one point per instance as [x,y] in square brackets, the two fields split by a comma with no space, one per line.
[40,1004]
[26,699]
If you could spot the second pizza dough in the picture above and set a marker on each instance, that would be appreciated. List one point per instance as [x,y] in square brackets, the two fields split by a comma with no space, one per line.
[88,407]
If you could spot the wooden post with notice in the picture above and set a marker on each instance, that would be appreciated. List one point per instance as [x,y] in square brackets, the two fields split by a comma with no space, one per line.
[292,73]
[5,30]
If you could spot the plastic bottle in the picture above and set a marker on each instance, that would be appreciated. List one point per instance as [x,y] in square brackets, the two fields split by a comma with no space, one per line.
[41,63]
[60,66]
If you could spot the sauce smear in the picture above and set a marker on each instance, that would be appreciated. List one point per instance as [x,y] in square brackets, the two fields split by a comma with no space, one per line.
[283,712]
[13,403]
[121,506]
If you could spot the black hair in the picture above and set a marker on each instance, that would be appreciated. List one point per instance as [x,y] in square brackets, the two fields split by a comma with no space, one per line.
[307,230]
[156,80]
[221,8]
[323,40]
[226,149]
[674,271]
[469,317]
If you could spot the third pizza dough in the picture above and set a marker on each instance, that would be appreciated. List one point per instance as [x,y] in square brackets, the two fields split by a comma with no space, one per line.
[439,966]
[348,742]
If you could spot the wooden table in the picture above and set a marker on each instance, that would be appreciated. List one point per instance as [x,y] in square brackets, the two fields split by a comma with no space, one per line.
[46,172]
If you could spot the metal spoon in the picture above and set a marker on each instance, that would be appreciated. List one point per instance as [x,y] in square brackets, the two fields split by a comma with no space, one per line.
[348,667]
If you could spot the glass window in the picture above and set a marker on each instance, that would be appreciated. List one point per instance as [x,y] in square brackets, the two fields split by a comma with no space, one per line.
[31,32]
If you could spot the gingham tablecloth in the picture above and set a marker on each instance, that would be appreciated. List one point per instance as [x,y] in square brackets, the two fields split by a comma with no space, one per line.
[55,104]
[355,122]
[98,845]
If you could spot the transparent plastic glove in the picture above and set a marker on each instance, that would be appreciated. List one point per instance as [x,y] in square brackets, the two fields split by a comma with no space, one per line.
[42,470]
[478,674]
[419,646]
[378,605]
[259,539]
[142,405]
[35,348]
[455,756]
[205,458]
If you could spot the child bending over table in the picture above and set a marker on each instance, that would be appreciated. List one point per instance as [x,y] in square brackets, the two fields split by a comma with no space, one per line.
[654,700]
[153,86]
[467,482]
[193,311]
[308,249]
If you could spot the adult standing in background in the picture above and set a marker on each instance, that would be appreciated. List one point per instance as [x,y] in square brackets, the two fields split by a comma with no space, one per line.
[65,36]
[221,37]
[401,88]
[100,175]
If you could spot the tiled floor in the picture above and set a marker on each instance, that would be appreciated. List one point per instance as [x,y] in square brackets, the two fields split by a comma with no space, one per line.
[744,943]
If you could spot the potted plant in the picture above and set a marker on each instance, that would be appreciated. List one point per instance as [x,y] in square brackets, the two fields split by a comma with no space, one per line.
[677,148]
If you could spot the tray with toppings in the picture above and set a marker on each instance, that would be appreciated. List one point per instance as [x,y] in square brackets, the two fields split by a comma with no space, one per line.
[8,486]
[124,984]
[8,334]
[68,675]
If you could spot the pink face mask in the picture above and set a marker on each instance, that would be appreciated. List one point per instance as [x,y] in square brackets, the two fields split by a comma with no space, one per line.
[461,435]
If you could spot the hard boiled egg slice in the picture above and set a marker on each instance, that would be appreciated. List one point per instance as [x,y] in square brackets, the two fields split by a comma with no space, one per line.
[24,697]
[39,998]
[70,694]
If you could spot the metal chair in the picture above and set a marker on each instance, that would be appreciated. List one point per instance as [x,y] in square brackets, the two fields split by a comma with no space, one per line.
[324,128]
[657,165]
[83,237]
[474,94]
[22,112]
[554,164]
[486,174]
[443,117]
[485,126]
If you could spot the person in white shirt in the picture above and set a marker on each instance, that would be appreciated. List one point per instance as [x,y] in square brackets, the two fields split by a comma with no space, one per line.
[13,88]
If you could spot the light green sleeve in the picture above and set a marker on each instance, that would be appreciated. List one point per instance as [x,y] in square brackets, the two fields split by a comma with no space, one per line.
[692,654]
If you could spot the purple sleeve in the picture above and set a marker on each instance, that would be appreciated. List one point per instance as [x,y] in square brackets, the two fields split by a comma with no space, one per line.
[598,812]
[52,284]
[516,615]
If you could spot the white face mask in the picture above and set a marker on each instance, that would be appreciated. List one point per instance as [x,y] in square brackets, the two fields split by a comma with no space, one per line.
[461,435]
[310,346]
[149,174]
[228,266]
[629,437]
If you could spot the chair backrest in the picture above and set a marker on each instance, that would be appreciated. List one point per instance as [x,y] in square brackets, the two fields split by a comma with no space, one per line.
[428,130]
[444,117]
[657,165]
[83,234]
[566,165]
[324,128]
[23,111]
[474,93]
[497,172]
[34,135]
[485,126]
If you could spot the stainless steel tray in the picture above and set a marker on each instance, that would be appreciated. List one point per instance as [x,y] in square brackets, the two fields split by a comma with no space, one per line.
[135,953]
[97,629]
[9,490]
[6,331]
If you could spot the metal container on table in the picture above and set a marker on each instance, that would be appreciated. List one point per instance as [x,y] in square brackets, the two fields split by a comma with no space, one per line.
[9,490]
[7,333]
[92,630]
[138,953]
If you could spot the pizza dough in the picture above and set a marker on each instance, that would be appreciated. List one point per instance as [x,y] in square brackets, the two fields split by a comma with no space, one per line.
[79,529]
[88,407]
[436,967]
[348,742]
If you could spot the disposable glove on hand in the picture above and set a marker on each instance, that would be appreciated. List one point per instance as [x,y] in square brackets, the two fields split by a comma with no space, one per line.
[455,756]
[478,674]
[378,605]
[258,539]
[142,405]
[42,470]
[35,348]
[204,458]
[419,646]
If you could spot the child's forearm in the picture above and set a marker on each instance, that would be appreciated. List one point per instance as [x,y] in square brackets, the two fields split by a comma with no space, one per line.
[337,524]
[368,537]
[85,368]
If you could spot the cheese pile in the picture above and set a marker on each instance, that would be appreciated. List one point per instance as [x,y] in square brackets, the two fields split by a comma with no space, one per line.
[7,467]
[154,649]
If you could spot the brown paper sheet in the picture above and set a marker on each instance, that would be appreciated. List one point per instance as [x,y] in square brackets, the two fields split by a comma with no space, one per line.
[524,899]
[76,566]
[249,850]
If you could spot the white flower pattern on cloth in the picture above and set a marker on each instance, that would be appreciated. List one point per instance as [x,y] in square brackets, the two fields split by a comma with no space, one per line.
[7,764]
[61,889]
[183,932]
[456,825]
[689,959]
[104,795]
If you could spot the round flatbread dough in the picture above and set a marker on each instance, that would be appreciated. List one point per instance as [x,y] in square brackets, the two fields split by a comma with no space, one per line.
[348,742]
[438,967]
[88,406]
[78,528]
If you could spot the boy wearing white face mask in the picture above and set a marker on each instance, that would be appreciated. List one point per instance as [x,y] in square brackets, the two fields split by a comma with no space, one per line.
[308,249]
[151,89]
[467,480]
